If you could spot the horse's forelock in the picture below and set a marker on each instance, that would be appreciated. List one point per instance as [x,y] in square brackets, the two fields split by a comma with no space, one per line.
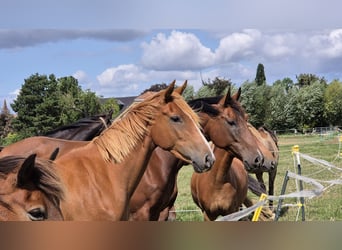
[48,181]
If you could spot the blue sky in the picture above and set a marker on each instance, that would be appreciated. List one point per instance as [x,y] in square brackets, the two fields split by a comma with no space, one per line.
[120,48]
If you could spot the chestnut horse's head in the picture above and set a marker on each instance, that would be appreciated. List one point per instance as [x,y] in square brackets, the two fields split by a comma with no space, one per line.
[177,130]
[29,189]
[225,123]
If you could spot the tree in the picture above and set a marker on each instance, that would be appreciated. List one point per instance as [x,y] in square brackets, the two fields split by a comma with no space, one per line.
[305,108]
[5,121]
[216,87]
[308,79]
[36,106]
[45,103]
[276,118]
[189,93]
[333,103]
[69,100]
[260,78]
[312,98]
[111,104]
[254,99]
[89,103]
[155,87]
[286,84]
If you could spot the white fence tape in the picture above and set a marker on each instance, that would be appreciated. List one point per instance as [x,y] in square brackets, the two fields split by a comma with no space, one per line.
[317,190]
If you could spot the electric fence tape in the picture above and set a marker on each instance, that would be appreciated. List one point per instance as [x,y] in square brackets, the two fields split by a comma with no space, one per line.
[316,191]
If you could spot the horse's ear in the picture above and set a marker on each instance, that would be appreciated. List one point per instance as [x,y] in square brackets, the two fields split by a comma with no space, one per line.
[168,92]
[181,89]
[237,95]
[54,154]
[27,173]
[225,100]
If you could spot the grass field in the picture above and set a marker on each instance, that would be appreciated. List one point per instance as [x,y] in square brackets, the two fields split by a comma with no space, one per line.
[326,207]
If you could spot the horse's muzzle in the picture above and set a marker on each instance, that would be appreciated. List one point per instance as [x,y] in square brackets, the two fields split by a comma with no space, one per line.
[208,162]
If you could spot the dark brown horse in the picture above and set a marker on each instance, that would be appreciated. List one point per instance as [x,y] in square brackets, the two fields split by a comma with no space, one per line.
[223,122]
[100,176]
[30,189]
[84,129]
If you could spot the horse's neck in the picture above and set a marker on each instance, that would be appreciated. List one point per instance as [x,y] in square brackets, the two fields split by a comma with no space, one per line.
[222,165]
[135,164]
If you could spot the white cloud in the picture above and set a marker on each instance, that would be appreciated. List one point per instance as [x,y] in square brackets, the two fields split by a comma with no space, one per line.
[131,79]
[237,45]
[279,45]
[178,51]
[81,75]
[182,56]
[121,75]
[328,45]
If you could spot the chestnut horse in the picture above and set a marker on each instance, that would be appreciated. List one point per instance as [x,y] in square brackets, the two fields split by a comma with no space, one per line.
[223,189]
[100,176]
[29,189]
[270,141]
[223,122]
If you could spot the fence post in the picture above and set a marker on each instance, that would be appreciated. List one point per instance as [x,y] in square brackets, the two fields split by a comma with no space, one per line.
[258,210]
[295,151]
[280,202]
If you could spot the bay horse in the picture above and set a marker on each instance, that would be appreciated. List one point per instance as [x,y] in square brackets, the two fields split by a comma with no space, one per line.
[223,122]
[100,176]
[30,189]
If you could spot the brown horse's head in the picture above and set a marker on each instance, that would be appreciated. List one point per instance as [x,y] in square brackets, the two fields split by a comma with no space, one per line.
[270,159]
[29,190]
[177,129]
[226,127]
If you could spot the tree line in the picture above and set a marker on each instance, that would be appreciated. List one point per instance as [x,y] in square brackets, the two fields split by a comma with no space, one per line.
[308,102]
[46,102]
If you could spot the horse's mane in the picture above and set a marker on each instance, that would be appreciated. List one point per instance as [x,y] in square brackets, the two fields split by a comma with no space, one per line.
[204,104]
[47,179]
[125,133]
[201,105]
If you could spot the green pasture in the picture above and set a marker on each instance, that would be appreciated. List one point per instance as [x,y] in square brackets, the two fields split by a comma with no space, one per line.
[326,207]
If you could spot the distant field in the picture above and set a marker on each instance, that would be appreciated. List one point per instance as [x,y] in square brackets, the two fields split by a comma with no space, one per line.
[327,207]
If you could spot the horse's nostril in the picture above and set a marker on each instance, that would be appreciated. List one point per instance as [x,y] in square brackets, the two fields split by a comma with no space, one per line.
[209,161]
[259,160]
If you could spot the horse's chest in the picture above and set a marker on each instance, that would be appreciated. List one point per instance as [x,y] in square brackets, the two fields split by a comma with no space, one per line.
[222,197]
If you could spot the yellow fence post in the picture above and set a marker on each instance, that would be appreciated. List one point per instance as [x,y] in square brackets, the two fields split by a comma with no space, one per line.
[258,210]
[295,152]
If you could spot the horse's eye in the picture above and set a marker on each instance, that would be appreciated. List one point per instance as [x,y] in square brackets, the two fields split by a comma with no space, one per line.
[37,214]
[175,118]
[231,122]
